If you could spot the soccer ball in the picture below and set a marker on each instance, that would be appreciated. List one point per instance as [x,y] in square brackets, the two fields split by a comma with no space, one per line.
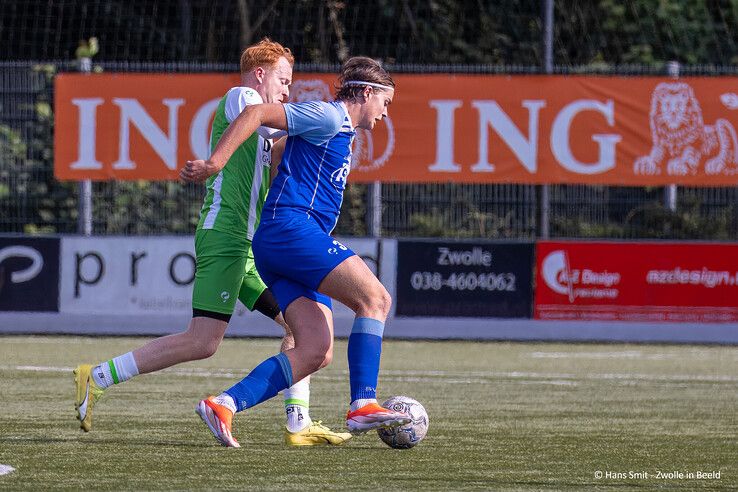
[408,435]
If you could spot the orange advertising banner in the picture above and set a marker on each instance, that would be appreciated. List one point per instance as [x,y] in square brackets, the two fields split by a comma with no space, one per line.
[637,131]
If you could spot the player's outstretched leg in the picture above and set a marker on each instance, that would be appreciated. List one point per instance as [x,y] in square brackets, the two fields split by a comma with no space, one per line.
[91,381]
[87,394]
[218,416]
[199,341]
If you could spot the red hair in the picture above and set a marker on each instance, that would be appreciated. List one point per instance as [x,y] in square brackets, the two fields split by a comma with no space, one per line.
[264,53]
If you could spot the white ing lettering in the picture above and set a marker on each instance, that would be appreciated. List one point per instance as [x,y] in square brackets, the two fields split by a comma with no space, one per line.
[560,137]
[132,113]
[87,133]
[200,129]
[492,116]
[165,146]
[445,136]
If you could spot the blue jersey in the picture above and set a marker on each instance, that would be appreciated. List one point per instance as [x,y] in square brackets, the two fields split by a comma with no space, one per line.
[315,164]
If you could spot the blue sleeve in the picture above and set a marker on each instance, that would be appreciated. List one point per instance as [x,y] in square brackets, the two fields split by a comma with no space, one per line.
[315,121]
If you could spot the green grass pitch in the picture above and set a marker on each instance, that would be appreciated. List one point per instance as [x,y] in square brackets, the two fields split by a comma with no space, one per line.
[503,416]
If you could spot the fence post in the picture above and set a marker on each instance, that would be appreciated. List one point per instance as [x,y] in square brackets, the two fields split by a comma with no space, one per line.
[670,191]
[544,191]
[84,196]
[84,208]
[374,209]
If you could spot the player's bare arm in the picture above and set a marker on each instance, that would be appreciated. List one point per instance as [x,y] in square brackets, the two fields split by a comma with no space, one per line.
[271,115]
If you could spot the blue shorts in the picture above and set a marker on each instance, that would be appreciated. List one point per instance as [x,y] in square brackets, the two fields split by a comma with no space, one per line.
[293,256]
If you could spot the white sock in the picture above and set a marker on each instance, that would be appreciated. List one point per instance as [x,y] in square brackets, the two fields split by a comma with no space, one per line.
[361,402]
[114,371]
[227,401]
[297,405]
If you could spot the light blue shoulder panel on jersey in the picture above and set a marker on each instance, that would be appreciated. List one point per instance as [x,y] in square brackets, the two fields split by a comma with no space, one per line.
[315,121]
[315,164]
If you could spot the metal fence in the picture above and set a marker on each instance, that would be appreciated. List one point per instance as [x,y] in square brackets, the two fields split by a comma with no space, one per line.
[630,37]
[32,201]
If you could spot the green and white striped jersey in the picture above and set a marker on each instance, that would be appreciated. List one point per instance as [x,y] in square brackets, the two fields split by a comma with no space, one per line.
[235,196]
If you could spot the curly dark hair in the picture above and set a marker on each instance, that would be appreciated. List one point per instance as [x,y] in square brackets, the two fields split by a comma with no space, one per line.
[364,69]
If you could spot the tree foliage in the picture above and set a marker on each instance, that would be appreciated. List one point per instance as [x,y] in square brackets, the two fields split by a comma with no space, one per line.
[506,32]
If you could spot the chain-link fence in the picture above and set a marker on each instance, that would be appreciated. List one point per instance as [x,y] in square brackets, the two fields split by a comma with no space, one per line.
[634,37]
[32,201]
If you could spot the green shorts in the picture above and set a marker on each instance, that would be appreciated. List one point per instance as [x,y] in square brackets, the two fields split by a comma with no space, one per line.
[225,272]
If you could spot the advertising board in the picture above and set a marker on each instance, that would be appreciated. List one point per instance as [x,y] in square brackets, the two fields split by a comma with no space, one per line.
[628,281]
[470,279]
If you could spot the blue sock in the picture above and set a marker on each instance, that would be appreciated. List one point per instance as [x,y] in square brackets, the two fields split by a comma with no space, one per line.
[264,382]
[364,351]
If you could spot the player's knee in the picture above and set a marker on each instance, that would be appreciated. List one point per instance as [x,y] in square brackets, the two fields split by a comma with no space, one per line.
[314,361]
[318,356]
[206,350]
[375,303]
[379,302]
[327,358]
[385,301]
[203,347]
[209,349]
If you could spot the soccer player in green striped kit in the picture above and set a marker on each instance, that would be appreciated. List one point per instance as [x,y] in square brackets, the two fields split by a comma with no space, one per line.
[225,262]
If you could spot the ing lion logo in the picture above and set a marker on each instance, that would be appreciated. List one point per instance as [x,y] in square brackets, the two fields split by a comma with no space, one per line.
[682,140]
[309,90]
[362,157]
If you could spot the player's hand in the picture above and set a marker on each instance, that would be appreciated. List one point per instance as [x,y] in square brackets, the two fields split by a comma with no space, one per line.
[198,171]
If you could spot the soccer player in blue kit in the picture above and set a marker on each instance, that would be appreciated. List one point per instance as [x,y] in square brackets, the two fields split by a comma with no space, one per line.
[299,260]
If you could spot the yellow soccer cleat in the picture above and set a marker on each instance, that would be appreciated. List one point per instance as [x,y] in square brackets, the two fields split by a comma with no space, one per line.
[316,434]
[87,395]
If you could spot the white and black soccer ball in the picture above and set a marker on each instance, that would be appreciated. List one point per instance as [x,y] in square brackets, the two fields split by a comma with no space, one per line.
[408,435]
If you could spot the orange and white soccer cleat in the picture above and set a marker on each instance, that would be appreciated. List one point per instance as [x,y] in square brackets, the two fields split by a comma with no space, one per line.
[218,419]
[374,416]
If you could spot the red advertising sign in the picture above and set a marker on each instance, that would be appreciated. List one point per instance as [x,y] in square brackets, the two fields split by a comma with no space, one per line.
[620,281]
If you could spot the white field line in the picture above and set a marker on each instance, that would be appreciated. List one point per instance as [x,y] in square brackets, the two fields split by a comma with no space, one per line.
[626,354]
[5,469]
[467,377]
[552,382]
[51,340]
[23,340]
[596,355]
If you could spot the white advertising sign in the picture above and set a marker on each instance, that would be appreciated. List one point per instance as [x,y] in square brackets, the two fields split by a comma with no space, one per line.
[144,275]
[127,274]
